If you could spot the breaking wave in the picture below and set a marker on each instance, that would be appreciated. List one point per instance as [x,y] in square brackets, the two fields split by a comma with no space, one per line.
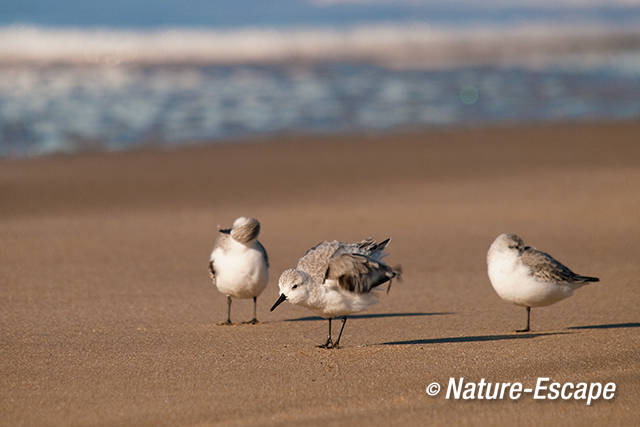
[414,45]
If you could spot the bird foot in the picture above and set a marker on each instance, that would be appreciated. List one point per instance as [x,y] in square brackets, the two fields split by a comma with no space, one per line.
[329,344]
[253,321]
[523,330]
[226,323]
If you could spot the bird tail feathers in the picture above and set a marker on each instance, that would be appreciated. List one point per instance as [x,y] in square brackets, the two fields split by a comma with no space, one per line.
[396,273]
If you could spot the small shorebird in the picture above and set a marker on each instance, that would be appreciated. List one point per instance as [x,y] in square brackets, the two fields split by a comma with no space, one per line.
[335,279]
[525,276]
[239,265]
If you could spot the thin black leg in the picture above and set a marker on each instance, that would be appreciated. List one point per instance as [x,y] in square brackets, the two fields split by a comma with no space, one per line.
[255,310]
[228,322]
[528,321]
[344,320]
[329,343]
[255,319]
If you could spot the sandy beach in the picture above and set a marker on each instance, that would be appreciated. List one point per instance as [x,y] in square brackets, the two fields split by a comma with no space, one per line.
[109,318]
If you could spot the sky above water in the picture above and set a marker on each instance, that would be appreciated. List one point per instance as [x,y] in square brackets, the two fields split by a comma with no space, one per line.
[252,13]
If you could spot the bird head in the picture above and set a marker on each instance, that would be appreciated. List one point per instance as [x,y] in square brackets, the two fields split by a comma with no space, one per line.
[294,287]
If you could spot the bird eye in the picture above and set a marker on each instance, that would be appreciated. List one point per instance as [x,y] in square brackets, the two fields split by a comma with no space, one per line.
[294,286]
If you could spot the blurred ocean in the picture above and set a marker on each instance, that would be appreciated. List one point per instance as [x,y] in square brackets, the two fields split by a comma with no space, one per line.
[131,75]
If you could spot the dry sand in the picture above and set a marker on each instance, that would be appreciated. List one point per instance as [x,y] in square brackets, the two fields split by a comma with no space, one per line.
[108,316]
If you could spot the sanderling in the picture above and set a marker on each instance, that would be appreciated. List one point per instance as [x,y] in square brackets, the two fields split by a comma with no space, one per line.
[528,277]
[239,265]
[335,279]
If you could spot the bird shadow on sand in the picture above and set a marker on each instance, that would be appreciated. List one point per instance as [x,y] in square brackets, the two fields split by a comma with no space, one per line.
[609,326]
[371,316]
[478,338]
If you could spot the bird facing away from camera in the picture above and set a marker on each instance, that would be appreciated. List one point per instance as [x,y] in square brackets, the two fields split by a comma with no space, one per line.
[239,265]
[335,279]
[525,276]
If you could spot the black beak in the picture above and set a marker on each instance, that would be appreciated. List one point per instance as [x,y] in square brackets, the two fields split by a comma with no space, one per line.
[280,301]
[225,230]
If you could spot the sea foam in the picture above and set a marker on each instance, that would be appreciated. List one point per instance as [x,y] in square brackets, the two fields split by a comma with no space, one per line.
[413,45]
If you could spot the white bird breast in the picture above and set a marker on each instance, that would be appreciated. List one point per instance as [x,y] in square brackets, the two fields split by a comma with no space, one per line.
[513,282]
[240,271]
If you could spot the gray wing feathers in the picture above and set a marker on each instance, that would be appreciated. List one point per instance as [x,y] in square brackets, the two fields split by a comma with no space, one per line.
[222,241]
[264,252]
[357,267]
[358,273]
[212,272]
[545,267]
[370,248]
[315,261]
